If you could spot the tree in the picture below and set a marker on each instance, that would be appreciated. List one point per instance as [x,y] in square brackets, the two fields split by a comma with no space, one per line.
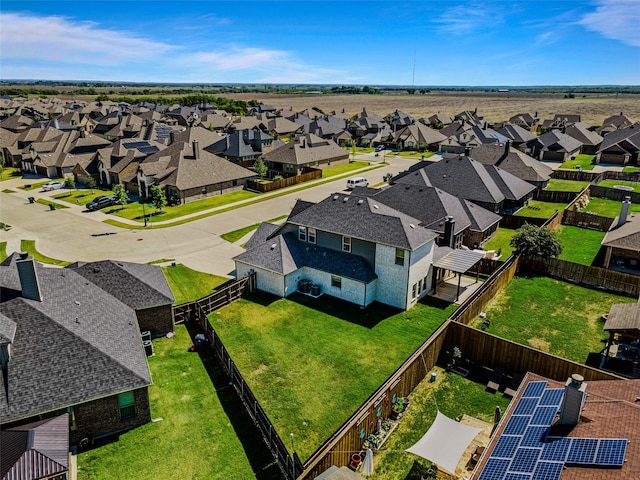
[530,240]
[120,194]
[70,183]
[90,183]
[260,167]
[158,198]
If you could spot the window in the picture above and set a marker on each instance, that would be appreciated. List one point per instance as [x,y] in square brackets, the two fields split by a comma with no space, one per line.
[419,286]
[414,291]
[399,256]
[346,244]
[312,235]
[204,189]
[302,234]
[336,281]
[127,405]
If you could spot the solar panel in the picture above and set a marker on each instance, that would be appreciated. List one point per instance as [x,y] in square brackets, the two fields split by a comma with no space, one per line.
[534,389]
[516,425]
[149,149]
[582,450]
[552,397]
[534,436]
[506,446]
[494,469]
[525,459]
[517,476]
[555,449]
[547,471]
[611,451]
[135,144]
[544,416]
[526,406]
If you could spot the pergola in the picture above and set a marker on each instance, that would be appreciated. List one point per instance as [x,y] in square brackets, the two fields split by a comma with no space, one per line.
[623,319]
[457,261]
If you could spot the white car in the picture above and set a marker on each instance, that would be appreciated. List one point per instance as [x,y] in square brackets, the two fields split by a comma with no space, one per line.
[47,187]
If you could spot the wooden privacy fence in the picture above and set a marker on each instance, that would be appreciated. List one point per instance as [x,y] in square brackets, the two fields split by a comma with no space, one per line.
[614,194]
[584,176]
[554,196]
[285,182]
[516,221]
[586,276]
[586,220]
[486,349]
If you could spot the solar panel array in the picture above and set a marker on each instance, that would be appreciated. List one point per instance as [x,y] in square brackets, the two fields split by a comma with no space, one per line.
[524,450]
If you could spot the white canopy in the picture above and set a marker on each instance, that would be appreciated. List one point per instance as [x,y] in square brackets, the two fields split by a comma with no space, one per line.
[445,442]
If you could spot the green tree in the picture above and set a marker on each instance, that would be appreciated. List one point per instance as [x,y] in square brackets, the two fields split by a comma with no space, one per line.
[158,198]
[120,194]
[530,240]
[90,183]
[70,183]
[260,167]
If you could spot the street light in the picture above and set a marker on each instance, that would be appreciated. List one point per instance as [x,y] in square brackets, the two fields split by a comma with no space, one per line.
[293,459]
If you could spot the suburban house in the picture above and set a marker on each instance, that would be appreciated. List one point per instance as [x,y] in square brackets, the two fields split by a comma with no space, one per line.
[328,127]
[622,241]
[519,136]
[419,137]
[243,146]
[305,151]
[398,120]
[515,162]
[486,185]
[9,153]
[615,122]
[118,163]
[186,173]
[351,247]
[368,129]
[69,346]
[590,140]
[437,121]
[457,221]
[556,146]
[17,123]
[559,120]
[621,146]
[525,120]
[215,122]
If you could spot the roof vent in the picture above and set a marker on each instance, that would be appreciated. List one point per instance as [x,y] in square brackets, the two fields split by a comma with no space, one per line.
[360,202]
[335,197]
[376,207]
[412,225]
[273,246]
[345,199]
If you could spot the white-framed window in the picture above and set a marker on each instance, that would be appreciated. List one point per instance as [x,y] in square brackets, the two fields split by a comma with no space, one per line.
[311,232]
[346,244]
[302,234]
[399,256]
[336,281]
[414,291]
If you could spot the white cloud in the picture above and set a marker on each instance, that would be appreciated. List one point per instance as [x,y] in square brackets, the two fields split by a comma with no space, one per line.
[60,39]
[615,19]
[464,19]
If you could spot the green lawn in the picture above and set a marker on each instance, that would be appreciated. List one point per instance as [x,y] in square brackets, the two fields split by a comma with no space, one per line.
[311,363]
[236,235]
[79,196]
[3,251]
[608,208]
[195,438]
[558,185]
[579,245]
[9,173]
[631,169]
[410,154]
[552,316]
[341,169]
[613,183]
[47,202]
[582,160]
[34,186]
[453,395]
[540,209]
[501,242]
[29,246]
[188,285]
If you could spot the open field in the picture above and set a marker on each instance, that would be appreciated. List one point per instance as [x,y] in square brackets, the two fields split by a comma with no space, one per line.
[495,107]
[311,363]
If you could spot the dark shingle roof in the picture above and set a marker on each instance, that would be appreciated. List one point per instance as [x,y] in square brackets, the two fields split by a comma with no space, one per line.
[264,231]
[78,344]
[628,138]
[626,236]
[557,141]
[307,149]
[513,161]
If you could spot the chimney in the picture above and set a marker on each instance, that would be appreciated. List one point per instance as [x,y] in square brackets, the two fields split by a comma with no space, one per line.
[449,229]
[28,277]
[172,137]
[573,400]
[56,123]
[507,147]
[196,150]
[467,151]
[624,211]
[82,133]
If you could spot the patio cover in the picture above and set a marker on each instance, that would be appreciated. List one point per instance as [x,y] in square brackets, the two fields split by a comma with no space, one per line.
[459,261]
[445,442]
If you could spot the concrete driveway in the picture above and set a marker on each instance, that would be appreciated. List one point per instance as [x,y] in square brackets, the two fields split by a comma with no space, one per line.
[74,234]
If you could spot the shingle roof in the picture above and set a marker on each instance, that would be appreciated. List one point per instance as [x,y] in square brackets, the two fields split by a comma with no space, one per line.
[137,285]
[514,161]
[516,133]
[623,316]
[580,131]
[285,254]
[557,141]
[79,343]
[307,149]
[421,133]
[366,219]
[629,136]
[626,236]
[262,233]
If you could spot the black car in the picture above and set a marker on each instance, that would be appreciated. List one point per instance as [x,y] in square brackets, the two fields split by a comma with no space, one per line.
[101,202]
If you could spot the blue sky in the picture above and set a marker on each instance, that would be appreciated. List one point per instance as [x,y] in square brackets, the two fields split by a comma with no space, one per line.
[489,42]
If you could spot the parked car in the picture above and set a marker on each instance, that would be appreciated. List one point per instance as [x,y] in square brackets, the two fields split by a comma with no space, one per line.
[47,187]
[357,182]
[379,148]
[101,202]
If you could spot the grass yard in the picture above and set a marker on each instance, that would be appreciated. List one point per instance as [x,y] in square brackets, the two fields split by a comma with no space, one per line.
[34,186]
[552,316]
[29,246]
[47,202]
[579,245]
[236,235]
[79,196]
[3,251]
[608,208]
[453,395]
[342,169]
[410,154]
[188,285]
[613,183]
[587,162]
[630,169]
[195,439]
[9,173]
[540,209]
[501,242]
[557,185]
[311,363]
